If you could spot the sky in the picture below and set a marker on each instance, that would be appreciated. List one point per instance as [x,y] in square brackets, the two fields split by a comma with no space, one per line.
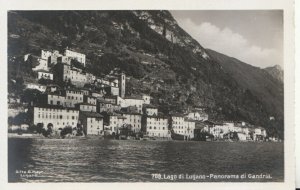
[252,36]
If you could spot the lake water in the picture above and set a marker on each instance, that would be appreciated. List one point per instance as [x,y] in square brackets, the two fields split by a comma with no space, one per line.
[95,160]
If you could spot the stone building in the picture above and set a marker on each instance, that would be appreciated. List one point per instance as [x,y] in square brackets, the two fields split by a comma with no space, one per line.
[75,55]
[92,123]
[56,116]
[156,126]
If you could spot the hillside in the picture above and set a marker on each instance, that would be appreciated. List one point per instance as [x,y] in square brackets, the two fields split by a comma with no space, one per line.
[276,72]
[157,55]
[257,80]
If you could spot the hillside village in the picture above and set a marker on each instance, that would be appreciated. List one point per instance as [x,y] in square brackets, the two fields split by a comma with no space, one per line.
[73,102]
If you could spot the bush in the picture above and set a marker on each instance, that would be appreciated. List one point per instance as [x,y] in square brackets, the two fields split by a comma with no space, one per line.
[65,131]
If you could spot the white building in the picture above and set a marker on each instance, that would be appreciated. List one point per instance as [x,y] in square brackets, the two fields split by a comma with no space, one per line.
[86,107]
[67,73]
[259,134]
[75,55]
[115,122]
[56,116]
[133,119]
[54,99]
[131,101]
[198,115]
[42,64]
[178,124]
[115,100]
[242,136]
[92,123]
[157,126]
[44,74]
[45,54]
[73,97]
[90,99]
[190,128]
[39,87]
[150,110]
[97,94]
[53,58]
[146,98]
[183,127]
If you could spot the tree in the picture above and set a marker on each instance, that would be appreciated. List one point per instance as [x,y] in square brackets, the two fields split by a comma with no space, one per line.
[49,129]
[45,81]
[30,95]
[66,130]
[79,130]
[40,128]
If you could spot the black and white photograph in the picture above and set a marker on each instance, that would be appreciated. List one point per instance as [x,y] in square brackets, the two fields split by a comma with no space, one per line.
[146,95]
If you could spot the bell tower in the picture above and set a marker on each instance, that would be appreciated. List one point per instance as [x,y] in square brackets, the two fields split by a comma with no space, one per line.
[122,83]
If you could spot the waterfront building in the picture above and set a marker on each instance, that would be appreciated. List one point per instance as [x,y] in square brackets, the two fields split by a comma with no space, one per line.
[190,126]
[259,134]
[92,122]
[156,126]
[133,119]
[178,124]
[55,116]
[182,126]
[114,122]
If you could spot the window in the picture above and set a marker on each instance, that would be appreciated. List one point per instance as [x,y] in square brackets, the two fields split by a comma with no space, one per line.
[60,117]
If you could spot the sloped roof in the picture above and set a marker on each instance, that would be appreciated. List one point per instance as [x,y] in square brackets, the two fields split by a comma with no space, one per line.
[91,114]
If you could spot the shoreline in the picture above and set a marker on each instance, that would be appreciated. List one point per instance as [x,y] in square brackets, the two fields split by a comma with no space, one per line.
[36,136]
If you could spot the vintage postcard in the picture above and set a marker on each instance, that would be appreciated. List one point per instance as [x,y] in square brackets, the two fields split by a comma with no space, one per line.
[191,95]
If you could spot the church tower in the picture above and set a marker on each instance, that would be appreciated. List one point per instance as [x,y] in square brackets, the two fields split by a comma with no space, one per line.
[122,82]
